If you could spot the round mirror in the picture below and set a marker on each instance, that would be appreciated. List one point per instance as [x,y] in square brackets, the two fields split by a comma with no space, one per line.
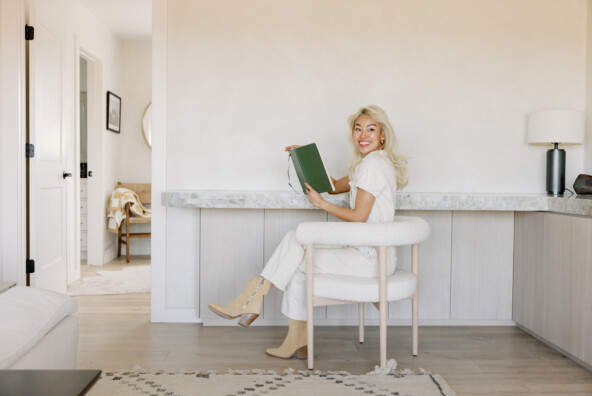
[147,125]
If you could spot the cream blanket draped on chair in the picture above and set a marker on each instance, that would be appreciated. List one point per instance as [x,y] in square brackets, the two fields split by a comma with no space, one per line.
[116,211]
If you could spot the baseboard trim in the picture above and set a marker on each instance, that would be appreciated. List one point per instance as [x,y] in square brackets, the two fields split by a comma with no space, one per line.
[368,322]
[179,315]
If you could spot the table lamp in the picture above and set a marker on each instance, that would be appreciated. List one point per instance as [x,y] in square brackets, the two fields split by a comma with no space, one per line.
[555,127]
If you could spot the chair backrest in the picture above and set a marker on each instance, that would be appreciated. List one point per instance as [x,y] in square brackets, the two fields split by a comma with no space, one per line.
[144,190]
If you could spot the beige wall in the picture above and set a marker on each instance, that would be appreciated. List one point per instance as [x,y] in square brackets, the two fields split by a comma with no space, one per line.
[457,77]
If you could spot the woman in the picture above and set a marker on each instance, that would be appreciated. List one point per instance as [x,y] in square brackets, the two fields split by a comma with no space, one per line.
[377,170]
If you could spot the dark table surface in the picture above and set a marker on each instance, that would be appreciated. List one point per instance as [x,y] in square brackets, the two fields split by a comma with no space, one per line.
[47,382]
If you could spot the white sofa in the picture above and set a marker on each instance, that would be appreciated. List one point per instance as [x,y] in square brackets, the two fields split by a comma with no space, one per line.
[38,329]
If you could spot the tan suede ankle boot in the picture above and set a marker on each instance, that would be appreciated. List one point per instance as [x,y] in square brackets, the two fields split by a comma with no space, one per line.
[247,305]
[295,342]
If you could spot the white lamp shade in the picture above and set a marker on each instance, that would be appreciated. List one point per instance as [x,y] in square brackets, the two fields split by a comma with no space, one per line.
[556,126]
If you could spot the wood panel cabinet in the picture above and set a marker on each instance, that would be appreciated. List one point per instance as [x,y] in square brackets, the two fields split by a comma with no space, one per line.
[434,269]
[231,253]
[553,275]
[482,260]
[465,265]
[530,280]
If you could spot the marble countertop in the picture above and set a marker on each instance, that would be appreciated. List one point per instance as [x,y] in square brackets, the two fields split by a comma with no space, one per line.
[578,205]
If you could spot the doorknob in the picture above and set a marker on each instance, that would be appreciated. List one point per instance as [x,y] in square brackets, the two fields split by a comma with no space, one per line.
[64,175]
[89,173]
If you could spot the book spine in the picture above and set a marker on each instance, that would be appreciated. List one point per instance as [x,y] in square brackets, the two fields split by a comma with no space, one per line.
[328,175]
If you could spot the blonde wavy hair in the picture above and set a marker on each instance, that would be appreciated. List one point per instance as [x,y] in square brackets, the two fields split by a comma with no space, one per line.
[390,146]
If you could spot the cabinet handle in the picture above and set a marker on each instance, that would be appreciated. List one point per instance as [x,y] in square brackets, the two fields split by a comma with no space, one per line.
[89,173]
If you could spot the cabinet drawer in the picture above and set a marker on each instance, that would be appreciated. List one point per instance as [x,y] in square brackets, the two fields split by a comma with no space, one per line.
[83,239]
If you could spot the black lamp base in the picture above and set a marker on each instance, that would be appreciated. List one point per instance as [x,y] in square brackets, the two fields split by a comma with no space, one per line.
[555,171]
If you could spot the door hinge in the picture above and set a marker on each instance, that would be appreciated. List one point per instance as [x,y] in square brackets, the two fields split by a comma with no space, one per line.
[29,150]
[29,32]
[30,266]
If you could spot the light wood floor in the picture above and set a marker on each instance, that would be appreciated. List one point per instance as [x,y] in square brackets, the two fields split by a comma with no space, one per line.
[114,265]
[116,333]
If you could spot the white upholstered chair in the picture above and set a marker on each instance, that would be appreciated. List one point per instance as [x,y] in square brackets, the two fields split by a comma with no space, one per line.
[325,289]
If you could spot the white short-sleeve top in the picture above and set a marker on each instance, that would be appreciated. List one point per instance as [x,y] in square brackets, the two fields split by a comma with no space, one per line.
[376,175]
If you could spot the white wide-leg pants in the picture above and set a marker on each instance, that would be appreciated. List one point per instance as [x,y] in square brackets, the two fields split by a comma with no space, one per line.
[286,269]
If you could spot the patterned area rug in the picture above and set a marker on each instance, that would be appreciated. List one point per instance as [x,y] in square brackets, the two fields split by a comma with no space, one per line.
[261,382]
[134,279]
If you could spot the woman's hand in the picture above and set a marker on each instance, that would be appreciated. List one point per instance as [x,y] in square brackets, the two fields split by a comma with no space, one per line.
[314,197]
[288,148]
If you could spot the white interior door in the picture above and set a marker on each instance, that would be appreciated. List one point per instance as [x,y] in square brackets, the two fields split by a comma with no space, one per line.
[47,185]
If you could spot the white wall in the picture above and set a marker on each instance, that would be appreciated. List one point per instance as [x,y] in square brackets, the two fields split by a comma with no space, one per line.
[12,237]
[136,92]
[136,89]
[457,77]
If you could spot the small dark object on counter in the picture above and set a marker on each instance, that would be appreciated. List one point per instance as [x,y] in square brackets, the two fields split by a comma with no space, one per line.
[583,184]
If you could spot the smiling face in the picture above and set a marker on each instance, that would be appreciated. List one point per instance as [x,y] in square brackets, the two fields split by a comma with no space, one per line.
[367,134]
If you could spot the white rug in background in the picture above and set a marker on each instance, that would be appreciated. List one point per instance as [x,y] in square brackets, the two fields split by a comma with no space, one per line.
[134,279]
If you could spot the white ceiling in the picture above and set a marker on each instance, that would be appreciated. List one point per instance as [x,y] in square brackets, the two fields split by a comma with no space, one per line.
[128,19]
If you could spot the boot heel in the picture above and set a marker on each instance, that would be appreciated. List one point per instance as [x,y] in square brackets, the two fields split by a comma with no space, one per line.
[247,319]
[302,353]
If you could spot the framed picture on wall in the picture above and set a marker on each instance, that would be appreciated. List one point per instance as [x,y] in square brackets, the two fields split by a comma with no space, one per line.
[113,112]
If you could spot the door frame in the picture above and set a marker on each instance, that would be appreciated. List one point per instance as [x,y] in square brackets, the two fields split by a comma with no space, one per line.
[95,157]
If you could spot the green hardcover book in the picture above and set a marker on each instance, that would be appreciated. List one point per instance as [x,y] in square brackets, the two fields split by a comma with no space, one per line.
[311,169]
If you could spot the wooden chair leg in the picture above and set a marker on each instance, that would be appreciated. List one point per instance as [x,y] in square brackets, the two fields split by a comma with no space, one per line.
[127,237]
[309,306]
[361,321]
[382,302]
[119,240]
[414,325]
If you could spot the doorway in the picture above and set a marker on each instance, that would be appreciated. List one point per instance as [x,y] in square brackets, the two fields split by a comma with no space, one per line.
[88,157]
[97,150]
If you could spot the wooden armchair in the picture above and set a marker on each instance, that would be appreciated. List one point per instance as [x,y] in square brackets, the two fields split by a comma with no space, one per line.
[144,191]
